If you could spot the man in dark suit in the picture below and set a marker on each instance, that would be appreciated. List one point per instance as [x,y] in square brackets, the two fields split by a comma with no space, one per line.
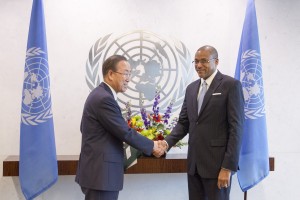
[215,128]
[100,170]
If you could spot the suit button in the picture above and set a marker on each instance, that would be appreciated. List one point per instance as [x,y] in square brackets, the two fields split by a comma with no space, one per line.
[197,122]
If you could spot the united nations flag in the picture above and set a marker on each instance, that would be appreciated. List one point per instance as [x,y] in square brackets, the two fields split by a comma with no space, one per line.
[254,158]
[38,163]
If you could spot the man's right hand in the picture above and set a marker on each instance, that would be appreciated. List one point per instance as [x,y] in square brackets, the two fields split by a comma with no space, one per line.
[159,148]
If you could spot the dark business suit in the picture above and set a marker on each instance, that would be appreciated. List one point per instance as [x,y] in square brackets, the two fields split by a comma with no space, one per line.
[215,134]
[103,131]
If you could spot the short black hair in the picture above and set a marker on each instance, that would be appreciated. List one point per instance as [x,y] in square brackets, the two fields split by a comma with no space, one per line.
[111,63]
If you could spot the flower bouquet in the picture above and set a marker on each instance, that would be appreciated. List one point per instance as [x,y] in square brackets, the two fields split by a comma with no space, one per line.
[153,125]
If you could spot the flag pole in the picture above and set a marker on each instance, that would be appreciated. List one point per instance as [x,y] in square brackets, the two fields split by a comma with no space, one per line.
[245,195]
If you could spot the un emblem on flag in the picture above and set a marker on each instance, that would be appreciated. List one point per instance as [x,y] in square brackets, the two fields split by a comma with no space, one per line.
[156,61]
[252,82]
[36,99]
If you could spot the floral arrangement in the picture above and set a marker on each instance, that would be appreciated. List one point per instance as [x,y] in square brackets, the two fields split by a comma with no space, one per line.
[154,125]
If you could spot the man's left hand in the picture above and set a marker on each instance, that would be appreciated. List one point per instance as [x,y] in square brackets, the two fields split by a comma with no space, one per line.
[224,178]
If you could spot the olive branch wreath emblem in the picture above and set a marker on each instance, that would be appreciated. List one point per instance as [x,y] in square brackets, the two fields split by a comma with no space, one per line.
[252,113]
[95,53]
[30,118]
[92,64]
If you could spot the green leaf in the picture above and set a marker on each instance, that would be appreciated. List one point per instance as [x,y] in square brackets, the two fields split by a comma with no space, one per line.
[160,127]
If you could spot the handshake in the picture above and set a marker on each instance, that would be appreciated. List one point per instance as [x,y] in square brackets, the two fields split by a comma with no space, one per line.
[160,148]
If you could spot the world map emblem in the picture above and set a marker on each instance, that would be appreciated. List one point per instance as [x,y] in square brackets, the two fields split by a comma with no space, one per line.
[252,82]
[36,98]
[156,61]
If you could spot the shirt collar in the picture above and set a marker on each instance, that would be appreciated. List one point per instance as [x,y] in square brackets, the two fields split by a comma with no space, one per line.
[209,79]
[112,90]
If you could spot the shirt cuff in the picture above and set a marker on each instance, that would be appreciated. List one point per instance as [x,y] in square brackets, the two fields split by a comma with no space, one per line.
[226,169]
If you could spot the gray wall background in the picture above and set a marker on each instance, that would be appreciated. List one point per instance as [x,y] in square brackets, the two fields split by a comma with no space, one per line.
[72,28]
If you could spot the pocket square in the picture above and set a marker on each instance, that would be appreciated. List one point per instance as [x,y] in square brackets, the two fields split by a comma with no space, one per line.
[216,94]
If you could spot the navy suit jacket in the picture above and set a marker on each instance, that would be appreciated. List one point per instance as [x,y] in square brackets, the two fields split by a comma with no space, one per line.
[215,134]
[104,130]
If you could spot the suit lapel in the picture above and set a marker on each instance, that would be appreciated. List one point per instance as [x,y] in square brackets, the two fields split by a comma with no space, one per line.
[214,85]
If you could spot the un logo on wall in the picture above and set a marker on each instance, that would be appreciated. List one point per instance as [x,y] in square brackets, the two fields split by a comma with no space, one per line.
[251,78]
[155,61]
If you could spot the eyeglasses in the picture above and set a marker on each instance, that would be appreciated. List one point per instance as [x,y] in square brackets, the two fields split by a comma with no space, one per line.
[126,75]
[203,61]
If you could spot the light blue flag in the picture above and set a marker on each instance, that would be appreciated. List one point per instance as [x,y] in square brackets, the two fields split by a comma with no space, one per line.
[254,157]
[38,163]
